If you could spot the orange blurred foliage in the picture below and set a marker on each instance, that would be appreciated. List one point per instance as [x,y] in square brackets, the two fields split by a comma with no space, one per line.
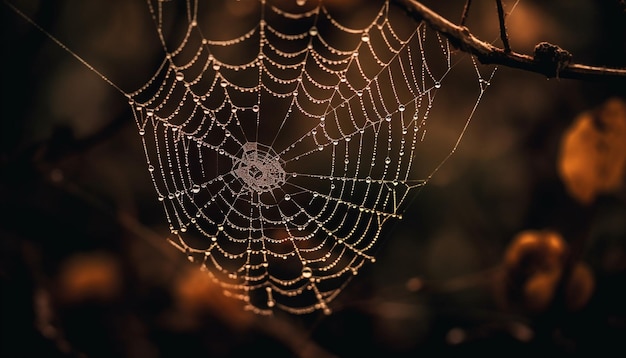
[580,287]
[89,276]
[535,251]
[592,156]
[195,293]
[539,290]
[534,265]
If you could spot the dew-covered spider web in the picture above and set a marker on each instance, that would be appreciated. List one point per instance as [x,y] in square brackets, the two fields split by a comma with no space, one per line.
[283,143]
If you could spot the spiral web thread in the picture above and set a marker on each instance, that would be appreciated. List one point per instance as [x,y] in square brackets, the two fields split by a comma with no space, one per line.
[279,154]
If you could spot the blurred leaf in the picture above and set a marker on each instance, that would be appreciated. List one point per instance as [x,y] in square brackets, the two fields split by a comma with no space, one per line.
[197,293]
[533,265]
[593,152]
[580,286]
[89,276]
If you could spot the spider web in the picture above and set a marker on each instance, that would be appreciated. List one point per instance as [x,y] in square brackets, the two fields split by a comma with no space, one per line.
[280,151]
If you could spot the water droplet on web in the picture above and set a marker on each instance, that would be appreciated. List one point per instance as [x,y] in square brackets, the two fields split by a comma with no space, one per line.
[180,76]
[142,132]
[287,197]
[313,31]
[307,272]
[387,160]
[195,189]
[301,2]
[437,84]
[150,168]
[365,37]
[401,108]
[368,180]
[255,108]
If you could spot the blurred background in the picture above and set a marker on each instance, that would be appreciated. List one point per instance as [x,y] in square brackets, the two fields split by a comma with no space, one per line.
[517,246]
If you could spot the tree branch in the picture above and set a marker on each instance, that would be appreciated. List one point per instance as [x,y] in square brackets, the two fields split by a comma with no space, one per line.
[466,8]
[548,60]
[503,35]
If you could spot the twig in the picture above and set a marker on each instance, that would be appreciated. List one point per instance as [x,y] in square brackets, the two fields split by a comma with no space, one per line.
[503,35]
[466,8]
[460,37]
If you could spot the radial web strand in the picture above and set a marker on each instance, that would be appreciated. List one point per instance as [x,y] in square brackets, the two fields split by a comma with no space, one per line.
[281,151]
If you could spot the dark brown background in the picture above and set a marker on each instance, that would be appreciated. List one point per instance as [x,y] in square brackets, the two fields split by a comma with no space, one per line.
[77,200]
